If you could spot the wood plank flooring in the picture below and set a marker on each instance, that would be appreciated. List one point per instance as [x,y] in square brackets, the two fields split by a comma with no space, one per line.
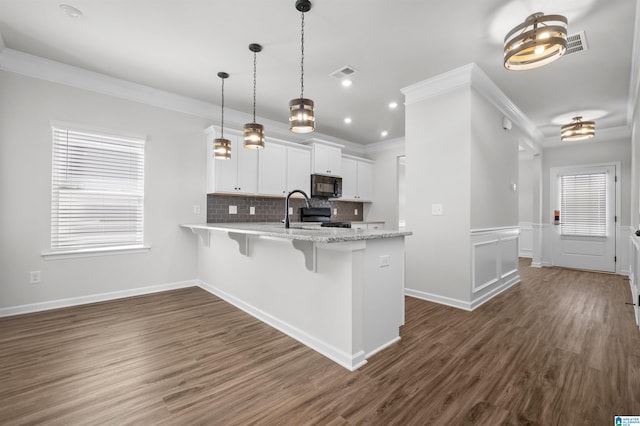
[561,348]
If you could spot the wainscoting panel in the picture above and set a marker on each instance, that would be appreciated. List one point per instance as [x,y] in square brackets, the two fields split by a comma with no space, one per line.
[494,262]
[634,274]
[525,248]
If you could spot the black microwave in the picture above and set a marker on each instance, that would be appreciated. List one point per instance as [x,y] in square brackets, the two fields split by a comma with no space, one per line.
[326,186]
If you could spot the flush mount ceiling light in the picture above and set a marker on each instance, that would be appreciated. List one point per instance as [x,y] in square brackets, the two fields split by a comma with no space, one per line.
[222,146]
[254,132]
[301,111]
[578,130]
[71,11]
[393,105]
[538,41]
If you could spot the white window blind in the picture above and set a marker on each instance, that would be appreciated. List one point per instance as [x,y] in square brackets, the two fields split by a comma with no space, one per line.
[97,191]
[583,204]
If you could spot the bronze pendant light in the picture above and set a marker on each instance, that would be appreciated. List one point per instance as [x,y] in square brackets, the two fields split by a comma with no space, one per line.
[222,146]
[301,111]
[539,40]
[577,130]
[254,132]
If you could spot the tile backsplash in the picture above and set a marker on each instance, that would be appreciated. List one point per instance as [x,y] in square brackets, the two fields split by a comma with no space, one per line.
[268,209]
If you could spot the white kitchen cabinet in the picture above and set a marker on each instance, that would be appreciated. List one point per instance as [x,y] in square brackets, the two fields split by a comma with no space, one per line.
[299,169]
[272,172]
[327,160]
[357,179]
[283,168]
[237,175]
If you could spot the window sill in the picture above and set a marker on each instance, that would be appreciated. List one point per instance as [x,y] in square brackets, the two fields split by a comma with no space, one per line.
[69,254]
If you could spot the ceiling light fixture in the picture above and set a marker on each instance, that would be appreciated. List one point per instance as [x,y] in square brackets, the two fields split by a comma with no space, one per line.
[301,110]
[222,146]
[578,130]
[393,105]
[538,41]
[346,82]
[71,11]
[384,133]
[254,132]
[347,120]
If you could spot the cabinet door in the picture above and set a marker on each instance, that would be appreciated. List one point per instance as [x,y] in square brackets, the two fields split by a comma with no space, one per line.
[272,173]
[349,179]
[299,170]
[365,181]
[327,160]
[247,159]
[226,171]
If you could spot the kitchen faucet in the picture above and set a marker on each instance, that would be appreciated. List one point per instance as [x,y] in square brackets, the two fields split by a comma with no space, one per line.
[286,204]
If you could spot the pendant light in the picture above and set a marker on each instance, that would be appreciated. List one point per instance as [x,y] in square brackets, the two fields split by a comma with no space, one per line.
[254,132]
[301,114]
[222,146]
[577,130]
[538,41]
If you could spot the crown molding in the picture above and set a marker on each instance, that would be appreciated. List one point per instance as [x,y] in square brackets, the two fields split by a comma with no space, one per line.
[471,75]
[56,72]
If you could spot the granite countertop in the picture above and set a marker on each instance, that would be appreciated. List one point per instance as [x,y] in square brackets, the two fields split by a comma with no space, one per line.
[300,231]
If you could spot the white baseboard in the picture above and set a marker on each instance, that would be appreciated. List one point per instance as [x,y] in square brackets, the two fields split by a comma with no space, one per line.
[381,347]
[350,362]
[443,300]
[461,304]
[93,298]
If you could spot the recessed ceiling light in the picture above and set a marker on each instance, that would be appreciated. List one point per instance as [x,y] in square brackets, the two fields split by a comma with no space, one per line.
[393,105]
[71,11]
[384,133]
[346,82]
[347,120]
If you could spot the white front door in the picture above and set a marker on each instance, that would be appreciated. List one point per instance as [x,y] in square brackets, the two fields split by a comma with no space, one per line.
[585,235]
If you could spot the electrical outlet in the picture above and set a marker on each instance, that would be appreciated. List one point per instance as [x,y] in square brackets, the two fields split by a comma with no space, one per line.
[233,209]
[355,211]
[437,209]
[335,211]
[384,260]
[252,210]
[290,210]
[196,209]
[35,277]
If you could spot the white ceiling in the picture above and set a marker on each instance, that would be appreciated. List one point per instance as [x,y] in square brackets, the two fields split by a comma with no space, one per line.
[180,45]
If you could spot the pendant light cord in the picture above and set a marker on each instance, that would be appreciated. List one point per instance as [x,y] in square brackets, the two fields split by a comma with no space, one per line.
[254,87]
[222,121]
[302,58]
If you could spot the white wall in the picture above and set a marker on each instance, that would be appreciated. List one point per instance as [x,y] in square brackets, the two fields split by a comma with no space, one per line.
[494,167]
[174,183]
[525,190]
[438,134]
[385,187]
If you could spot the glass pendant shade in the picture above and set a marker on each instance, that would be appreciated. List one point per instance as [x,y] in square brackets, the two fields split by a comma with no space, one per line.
[222,149]
[538,41]
[578,130]
[301,116]
[253,136]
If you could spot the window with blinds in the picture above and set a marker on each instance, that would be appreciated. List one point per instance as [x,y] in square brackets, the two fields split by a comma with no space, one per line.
[97,191]
[583,204]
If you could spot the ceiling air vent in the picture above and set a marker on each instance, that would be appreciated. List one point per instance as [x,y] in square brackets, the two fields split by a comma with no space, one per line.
[576,43]
[343,72]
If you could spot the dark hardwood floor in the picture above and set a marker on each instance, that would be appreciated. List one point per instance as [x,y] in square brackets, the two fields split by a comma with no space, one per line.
[560,348]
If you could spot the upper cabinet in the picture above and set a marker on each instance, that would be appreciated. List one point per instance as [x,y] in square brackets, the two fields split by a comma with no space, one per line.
[282,168]
[357,179]
[237,175]
[326,159]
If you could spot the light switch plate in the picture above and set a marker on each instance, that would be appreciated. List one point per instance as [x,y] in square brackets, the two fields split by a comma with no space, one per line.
[233,209]
[196,209]
[437,209]
[355,211]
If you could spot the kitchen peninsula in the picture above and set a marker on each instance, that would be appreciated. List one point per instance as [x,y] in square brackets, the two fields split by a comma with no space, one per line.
[338,291]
